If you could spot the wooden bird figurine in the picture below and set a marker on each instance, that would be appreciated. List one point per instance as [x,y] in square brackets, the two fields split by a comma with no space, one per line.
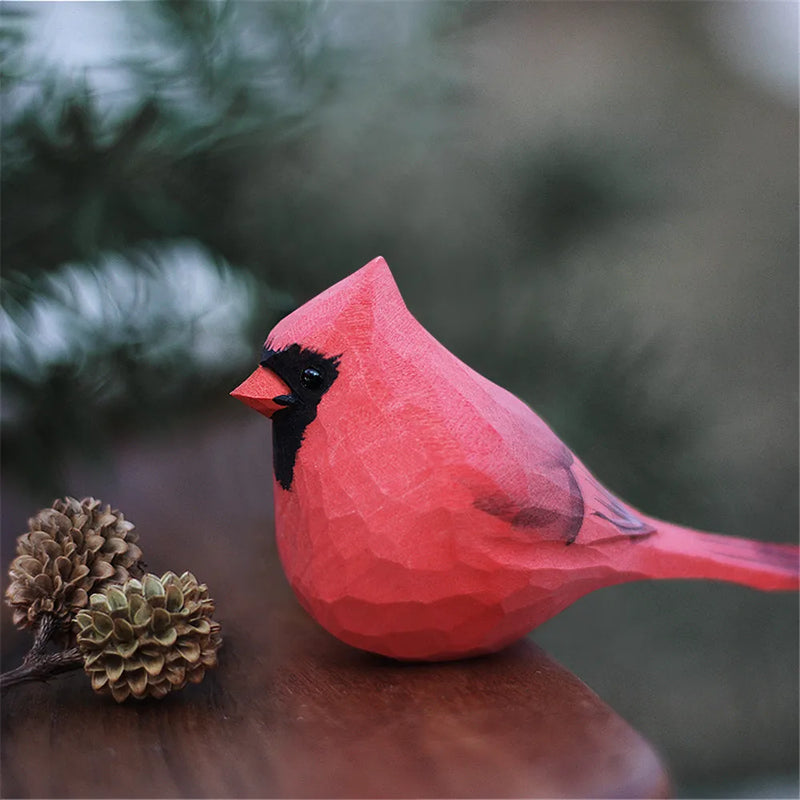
[423,512]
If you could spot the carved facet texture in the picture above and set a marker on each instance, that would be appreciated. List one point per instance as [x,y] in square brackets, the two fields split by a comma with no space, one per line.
[429,513]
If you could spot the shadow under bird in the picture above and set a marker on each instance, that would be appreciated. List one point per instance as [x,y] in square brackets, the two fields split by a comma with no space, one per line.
[423,512]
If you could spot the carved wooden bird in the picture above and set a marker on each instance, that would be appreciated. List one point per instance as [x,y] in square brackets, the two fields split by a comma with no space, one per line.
[422,511]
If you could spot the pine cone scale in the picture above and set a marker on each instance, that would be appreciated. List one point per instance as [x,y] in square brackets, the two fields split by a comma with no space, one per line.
[123,630]
[78,598]
[153,664]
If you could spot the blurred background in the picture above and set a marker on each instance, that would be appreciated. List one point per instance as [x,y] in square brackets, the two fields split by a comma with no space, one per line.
[594,204]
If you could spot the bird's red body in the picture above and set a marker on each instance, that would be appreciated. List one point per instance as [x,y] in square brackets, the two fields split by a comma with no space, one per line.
[422,511]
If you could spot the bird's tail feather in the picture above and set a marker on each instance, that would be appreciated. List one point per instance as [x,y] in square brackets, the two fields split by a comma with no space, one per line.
[676,552]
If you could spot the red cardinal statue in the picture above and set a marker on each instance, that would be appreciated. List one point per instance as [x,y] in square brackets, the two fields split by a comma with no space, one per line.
[423,512]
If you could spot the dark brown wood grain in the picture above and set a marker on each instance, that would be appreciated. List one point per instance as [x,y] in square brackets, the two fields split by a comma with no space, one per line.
[291,711]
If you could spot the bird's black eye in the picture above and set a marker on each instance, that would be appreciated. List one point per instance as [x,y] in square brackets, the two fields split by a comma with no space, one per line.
[311,378]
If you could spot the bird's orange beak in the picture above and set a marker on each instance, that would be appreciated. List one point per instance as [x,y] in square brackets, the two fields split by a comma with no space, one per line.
[264,391]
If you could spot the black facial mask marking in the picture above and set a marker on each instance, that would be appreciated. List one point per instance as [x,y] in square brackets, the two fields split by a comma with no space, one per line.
[309,375]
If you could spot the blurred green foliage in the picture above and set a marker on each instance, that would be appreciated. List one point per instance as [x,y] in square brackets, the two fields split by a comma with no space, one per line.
[223,90]
[221,86]
[200,111]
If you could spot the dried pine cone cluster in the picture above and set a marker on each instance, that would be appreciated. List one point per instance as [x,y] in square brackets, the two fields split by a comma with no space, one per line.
[69,550]
[137,638]
[148,637]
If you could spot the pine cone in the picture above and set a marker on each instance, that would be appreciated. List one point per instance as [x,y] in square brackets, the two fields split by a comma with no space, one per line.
[69,550]
[148,637]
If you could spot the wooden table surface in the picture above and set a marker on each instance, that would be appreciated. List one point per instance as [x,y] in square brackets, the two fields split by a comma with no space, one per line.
[292,712]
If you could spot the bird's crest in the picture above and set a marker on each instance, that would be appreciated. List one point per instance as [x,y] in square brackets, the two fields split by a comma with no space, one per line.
[346,316]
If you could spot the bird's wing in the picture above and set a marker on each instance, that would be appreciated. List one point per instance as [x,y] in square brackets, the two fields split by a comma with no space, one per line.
[605,515]
[561,501]
[542,490]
